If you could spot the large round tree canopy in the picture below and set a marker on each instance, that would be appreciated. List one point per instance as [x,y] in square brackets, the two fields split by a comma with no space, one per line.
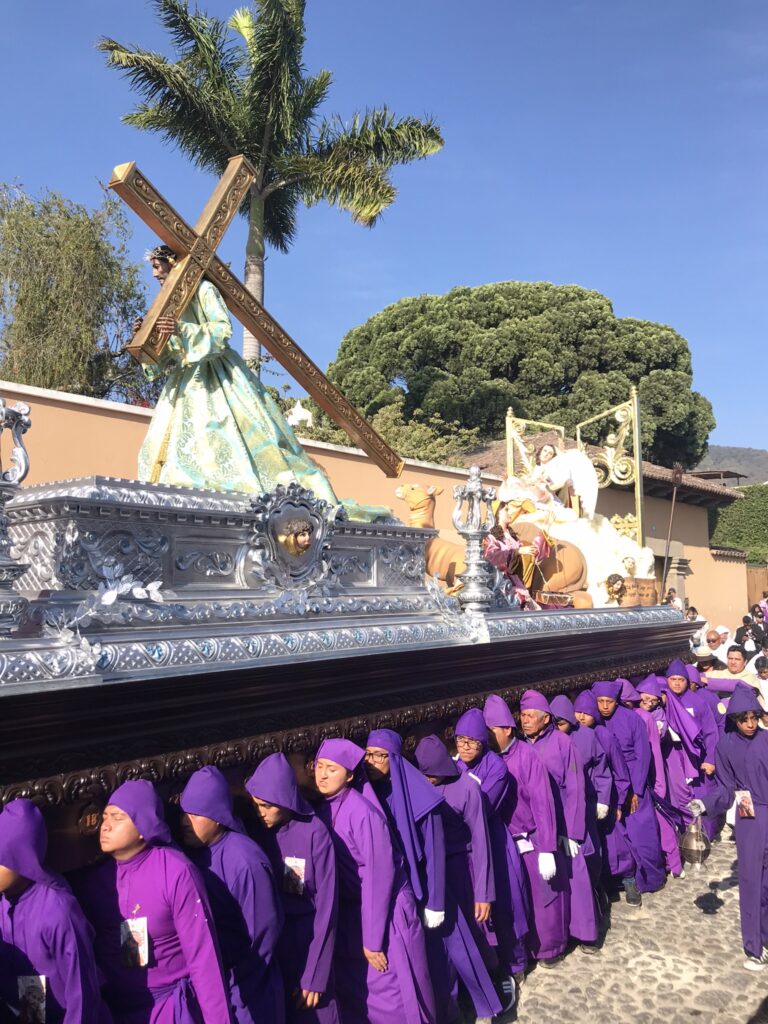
[553,352]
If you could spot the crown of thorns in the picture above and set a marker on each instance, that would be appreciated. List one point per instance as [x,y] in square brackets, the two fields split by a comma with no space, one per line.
[161,252]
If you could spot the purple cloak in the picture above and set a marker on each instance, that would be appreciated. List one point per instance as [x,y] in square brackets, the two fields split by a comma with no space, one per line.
[690,719]
[742,764]
[377,910]
[158,891]
[43,932]
[309,891]
[468,873]
[510,915]
[566,771]
[246,907]
[642,828]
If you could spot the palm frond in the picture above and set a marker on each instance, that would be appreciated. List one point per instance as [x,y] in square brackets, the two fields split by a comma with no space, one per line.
[379,136]
[170,87]
[201,42]
[352,184]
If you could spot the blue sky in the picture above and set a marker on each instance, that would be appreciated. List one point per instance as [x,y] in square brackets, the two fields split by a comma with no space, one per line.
[616,144]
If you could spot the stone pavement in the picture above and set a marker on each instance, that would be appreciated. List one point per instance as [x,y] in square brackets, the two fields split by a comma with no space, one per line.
[676,960]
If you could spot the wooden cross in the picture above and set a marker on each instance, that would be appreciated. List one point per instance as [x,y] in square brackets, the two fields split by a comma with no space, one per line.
[197,249]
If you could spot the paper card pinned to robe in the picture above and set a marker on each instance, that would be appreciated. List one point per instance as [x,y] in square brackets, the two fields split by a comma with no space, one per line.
[134,942]
[32,991]
[294,874]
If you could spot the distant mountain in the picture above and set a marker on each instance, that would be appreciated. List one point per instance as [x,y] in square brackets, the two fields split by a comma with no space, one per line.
[752,462]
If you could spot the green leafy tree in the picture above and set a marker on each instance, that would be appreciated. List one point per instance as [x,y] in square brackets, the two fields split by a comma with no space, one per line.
[553,352]
[743,524]
[419,436]
[240,87]
[68,294]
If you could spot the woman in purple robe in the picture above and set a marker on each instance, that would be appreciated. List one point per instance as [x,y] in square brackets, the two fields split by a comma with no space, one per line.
[380,960]
[412,809]
[652,711]
[510,925]
[46,945]
[597,780]
[642,829]
[155,939]
[469,883]
[246,907]
[689,746]
[559,757]
[618,862]
[741,763]
[531,822]
[306,864]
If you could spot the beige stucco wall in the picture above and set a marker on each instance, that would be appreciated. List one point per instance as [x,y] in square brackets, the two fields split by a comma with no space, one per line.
[74,436]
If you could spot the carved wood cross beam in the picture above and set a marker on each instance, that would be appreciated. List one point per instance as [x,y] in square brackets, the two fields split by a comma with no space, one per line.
[197,249]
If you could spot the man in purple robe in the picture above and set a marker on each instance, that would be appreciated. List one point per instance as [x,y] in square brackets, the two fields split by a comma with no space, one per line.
[510,923]
[46,947]
[380,960]
[741,773]
[642,829]
[566,773]
[597,782]
[306,863]
[618,862]
[412,808]
[689,746]
[155,940]
[531,822]
[246,907]
[469,884]
[653,713]
[709,697]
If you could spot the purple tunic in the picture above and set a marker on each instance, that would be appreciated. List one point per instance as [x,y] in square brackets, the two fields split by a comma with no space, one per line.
[642,828]
[243,896]
[742,763]
[174,976]
[468,873]
[306,863]
[691,719]
[43,933]
[668,834]
[559,756]
[597,790]
[377,910]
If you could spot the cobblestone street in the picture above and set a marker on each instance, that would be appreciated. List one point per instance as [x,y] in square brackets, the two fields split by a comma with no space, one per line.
[676,960]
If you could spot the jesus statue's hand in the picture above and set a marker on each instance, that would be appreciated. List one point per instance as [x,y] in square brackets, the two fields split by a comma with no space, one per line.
[166,326]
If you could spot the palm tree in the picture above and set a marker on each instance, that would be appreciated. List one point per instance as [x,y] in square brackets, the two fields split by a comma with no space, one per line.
[241,87]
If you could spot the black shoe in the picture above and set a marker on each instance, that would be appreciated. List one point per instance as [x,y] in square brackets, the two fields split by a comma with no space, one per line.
[551,961]
[634,899]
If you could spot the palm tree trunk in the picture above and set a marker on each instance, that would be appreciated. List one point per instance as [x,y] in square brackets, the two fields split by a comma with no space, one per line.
[254,267]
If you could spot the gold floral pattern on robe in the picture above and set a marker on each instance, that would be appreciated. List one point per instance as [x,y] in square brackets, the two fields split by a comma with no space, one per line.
[215,425]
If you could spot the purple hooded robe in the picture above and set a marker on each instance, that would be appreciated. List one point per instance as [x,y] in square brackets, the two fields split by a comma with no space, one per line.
[597,779]
[510,915]
[742,764]
[306,862]
[377,910]
[618,861]
[182,982]
[244,900]
[468,872]
[690,718]
[709,697]
[566,771]
[642,829]
[43,933]
[668,819]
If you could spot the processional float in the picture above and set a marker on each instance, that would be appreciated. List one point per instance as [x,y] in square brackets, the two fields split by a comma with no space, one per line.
[146,630]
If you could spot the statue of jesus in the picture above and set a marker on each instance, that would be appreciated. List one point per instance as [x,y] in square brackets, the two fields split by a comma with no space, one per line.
[215,425]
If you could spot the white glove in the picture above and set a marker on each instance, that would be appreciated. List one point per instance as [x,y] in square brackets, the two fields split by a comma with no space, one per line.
[570,846]
[433,918]
[696,807]
[673,735]
[547,866]
[602,811]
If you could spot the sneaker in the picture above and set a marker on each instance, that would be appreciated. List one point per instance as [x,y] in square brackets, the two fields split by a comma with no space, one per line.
[551,961]
[681,874]
[589,947]
[484,1020]
[508,994]
[634,899]
[757,963]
